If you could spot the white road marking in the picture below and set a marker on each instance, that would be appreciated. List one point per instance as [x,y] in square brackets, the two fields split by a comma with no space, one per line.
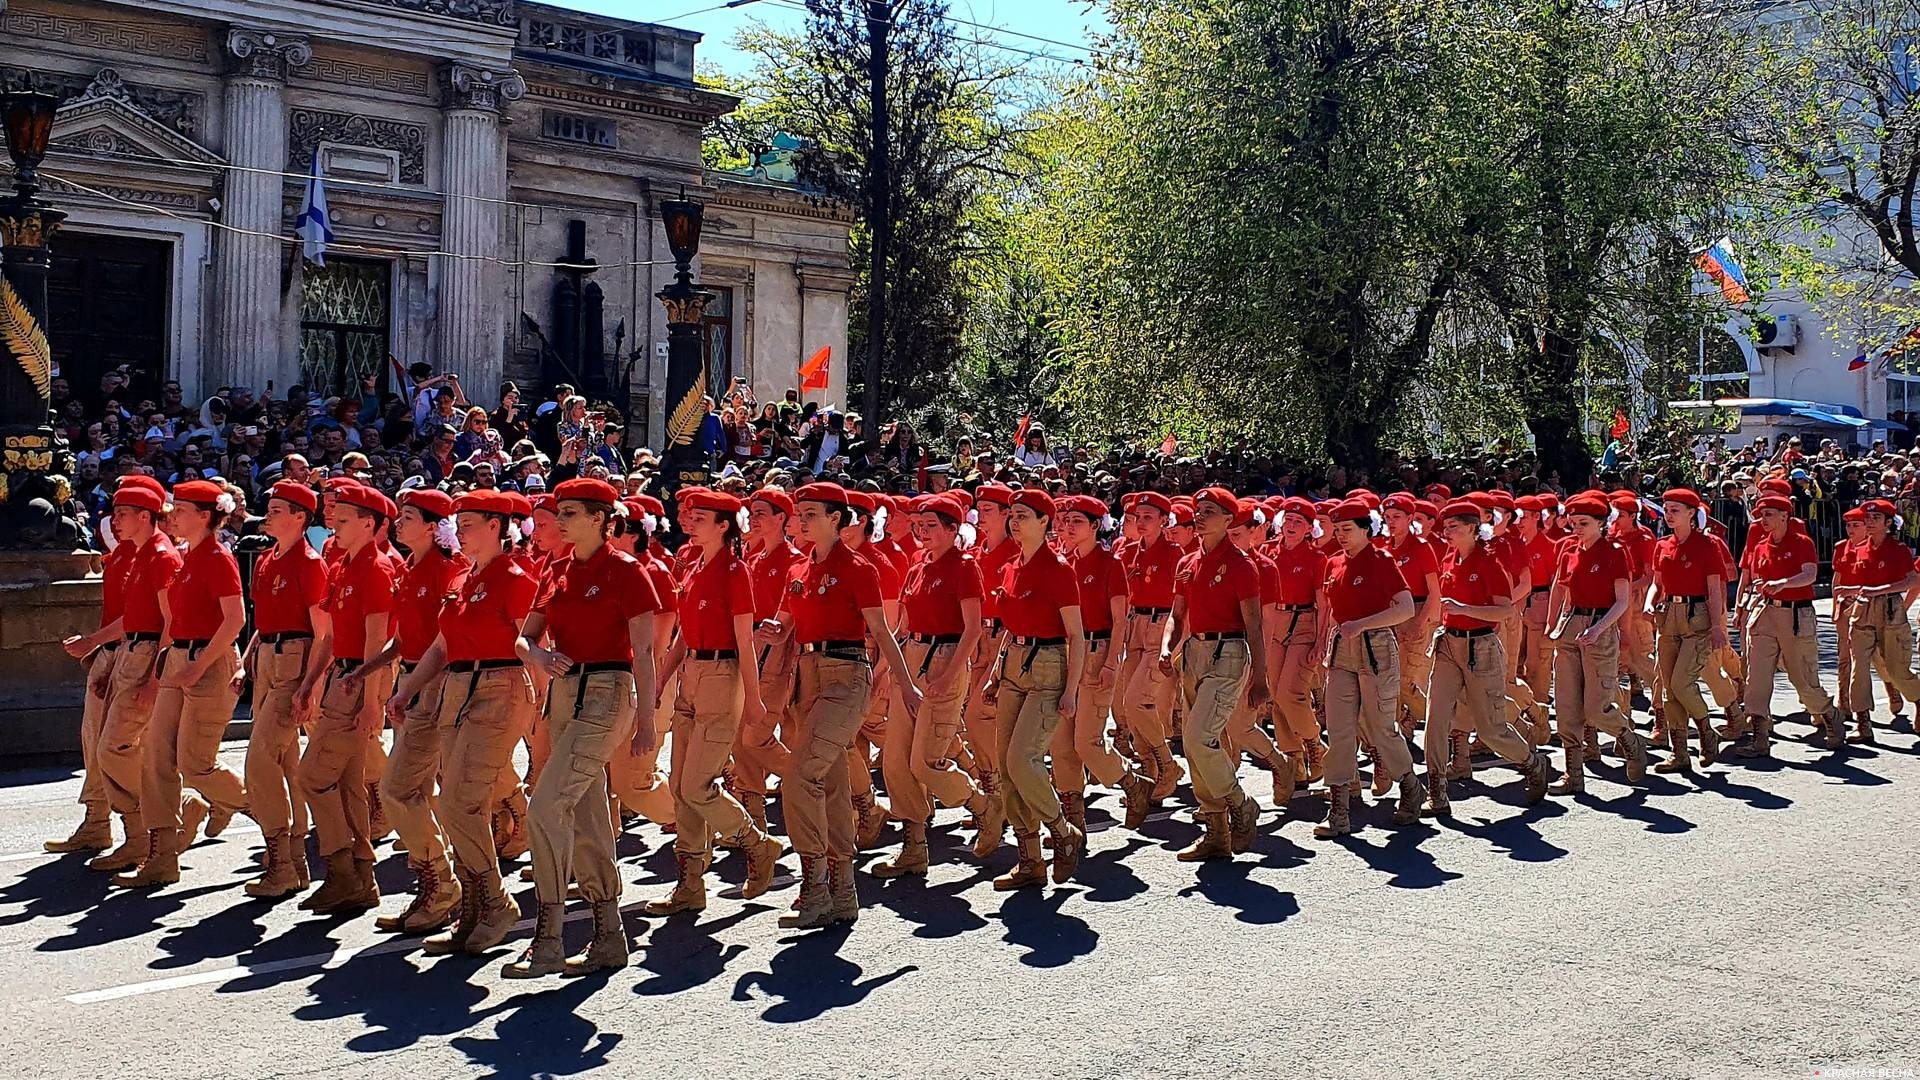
[23,856]
[273,967]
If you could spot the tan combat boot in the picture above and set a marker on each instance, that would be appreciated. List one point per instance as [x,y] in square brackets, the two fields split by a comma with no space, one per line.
[129,853]
[1438,804]
[1574,780]
[1538,768]
[1836,724]
[1382,783]
[1068,841]
[913,859]
[1678,760]
[1659,733]
[1030,871]
[608,949]
[1590,753]
[1709,741]
[989,815]
[755,804]
[437,900]
[1286,779]
[94,834]
[514,843]
[378,828]
[1314,758]
[763,860]
[1170,773]
[1215,841]
[278,879]
[1862,736]
[162,864]
[546,954]
[869,821]
[1406,809]
[1459,757]
[1633,747]
[453,939]
[1762,744]
[193,811]
[1243,826]
[689,892]
[496,915]
[1136,791]
[342,890]
[1339,813]
[814,906]
[843,898]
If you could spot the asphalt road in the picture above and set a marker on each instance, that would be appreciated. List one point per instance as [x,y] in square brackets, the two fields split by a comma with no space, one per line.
[1757,922]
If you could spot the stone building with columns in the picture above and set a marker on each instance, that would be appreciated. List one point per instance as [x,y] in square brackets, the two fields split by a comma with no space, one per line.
[493,169]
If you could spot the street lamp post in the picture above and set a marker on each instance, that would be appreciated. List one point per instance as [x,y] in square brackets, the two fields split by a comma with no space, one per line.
[686,461]
[35,464]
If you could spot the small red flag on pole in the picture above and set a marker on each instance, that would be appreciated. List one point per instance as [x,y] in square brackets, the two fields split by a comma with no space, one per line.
[813,373]
[1620,424]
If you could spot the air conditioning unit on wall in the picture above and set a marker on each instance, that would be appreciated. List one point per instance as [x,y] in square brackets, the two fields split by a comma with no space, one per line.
[1777,331]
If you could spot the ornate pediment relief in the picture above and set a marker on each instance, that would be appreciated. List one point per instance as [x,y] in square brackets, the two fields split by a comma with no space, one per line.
[111,125]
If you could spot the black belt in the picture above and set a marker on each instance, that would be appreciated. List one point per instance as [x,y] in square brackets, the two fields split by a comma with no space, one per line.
[1155,613]
[1540,589]
[597,667]
[407,666]
[1036,642]
[855,651]
[1589,612]
[1309,607]
[991,626]
[347,663]
[286,635]
[194,646]
[1225,635]
[935,640]
[1686,599]
[1419,599]
[108,647]
[713,654]
[1100,635]
[461,667]
[1790,603]
[140,636]
[1454,631]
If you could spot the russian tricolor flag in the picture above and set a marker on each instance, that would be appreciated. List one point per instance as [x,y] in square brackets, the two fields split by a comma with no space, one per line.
[1719,264]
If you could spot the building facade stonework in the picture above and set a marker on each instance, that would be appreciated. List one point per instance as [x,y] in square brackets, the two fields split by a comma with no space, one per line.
[493,170]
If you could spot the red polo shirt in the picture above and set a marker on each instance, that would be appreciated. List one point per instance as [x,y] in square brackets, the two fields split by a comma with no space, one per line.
[1771,561]
[423,586]
[1638,543]
[1302,569]
[113,583]
[1481,580]
[891,577]
[934,590]
[666,586]
[1100,578]
[771,569]
[207,575]
[361,587]
[484,616]
[588,603]
[1541,557]
[1362,585]
[1416,559]
[1150,572]
[1682,569]
[1033,591]
[148,572]
[1213,584]
[286,588]
[1888,564]
[826,598]
[1589,573]
[992,562]
[1512,553]
[714,595]
[1268,572]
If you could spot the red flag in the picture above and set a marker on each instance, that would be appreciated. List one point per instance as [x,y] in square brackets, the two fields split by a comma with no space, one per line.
[1168,445]
[1620,424]
[813,373]
[1020,436]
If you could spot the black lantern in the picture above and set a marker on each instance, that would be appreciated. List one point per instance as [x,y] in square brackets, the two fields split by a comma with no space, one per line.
[28,115]
[682,217]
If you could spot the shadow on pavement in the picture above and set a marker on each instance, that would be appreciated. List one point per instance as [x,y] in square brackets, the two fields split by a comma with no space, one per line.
[1230,884]
[682,952]
[809,978]
[1034,921]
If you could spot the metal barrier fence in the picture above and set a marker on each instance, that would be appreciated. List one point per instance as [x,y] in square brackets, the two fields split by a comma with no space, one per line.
[1825,524]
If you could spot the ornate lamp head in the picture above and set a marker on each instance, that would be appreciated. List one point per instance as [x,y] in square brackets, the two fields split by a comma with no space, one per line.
[682,217]
[28,115]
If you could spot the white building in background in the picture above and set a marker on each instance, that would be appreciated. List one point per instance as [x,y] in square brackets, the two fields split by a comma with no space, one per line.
[472,147]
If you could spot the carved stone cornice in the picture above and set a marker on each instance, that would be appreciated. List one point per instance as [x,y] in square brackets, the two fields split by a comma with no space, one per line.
[463,86]
[261,54]
[489,12]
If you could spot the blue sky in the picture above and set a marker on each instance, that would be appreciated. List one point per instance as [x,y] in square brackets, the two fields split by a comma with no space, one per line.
[1063,20]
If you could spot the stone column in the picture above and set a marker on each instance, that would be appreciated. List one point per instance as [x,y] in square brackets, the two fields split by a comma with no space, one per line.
[248,338]
[472,338]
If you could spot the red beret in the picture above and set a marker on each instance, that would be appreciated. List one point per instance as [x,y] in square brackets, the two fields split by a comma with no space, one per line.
[1150,498]
[1439,493]
[1035,500]
[545,503]
[993,493]
[864,501]
[140,497]
[519,505]
[1426,508]
[431,502]
[141,480]
[1589,503]
[1365,496]
[1625,500]
[1529,504]
[1351,510]
[1549,501]
[1244,517]
[1299,505]
[581,489]
[297,494]
[198,491]
[1501,499]
[1686,497]
[1400,501]
[1882,507]
[334,484]
[1466,508]
[775,498]
[1227,501]
[1093,509]
[1774,502]
[948,504]
[1776,486]
[822,491]
[365,498]
[1481,499]
[484,502]
[717,501]
[1857,514]
[646,504]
